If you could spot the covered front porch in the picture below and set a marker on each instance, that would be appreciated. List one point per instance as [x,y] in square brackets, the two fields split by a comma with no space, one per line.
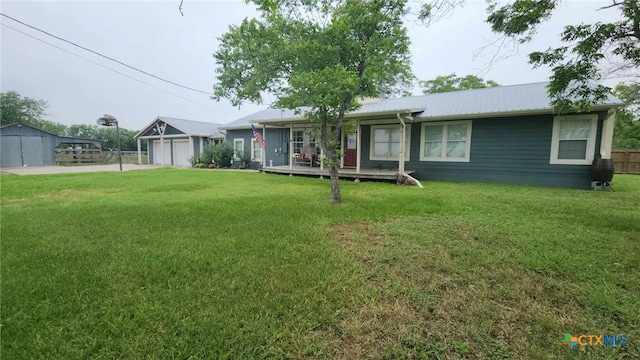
[343,173]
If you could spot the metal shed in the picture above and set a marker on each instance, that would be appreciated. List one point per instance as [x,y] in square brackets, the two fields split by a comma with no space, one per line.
[24,145]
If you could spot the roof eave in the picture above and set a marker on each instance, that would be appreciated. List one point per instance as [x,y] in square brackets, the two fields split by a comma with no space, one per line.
[508,113]
[347,116]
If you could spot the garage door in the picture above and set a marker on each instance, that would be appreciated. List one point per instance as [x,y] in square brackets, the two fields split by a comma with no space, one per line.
[157,150]
[181,152]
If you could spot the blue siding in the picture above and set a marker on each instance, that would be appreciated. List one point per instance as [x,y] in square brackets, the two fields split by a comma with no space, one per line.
[149,151]
[196,146]
[170,130]
[513,150]
[19,149]
[276,139]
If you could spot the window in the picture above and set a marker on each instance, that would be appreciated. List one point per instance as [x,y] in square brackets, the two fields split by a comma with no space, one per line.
[297,141]
[573,139]
[385,142]
[238,148]
[445,141]
[256,151]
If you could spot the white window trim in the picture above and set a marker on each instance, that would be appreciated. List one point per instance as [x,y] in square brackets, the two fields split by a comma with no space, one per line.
[255,145]
[591,141]
[407,149]
[237,140]
[443,154]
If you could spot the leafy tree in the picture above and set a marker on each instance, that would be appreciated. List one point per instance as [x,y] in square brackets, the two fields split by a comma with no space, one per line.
[627,129]
[16,108]
[587,47]
[452,82]
[317,57]
[83,131]
[108,134]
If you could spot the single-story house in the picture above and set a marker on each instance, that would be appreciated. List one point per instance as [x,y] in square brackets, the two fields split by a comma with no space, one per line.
[178,140]
[506,134]
[25,145]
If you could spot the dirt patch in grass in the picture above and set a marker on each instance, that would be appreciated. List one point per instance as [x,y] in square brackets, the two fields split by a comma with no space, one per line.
[446,288]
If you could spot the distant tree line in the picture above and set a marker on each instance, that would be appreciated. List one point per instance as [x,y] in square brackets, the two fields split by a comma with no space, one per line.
[16,108]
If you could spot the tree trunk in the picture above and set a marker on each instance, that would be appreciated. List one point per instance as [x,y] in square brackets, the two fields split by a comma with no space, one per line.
[335,185]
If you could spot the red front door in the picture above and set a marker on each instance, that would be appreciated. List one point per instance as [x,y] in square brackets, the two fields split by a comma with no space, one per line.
[350,150]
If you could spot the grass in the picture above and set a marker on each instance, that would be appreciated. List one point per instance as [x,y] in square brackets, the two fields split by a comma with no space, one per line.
[172,263]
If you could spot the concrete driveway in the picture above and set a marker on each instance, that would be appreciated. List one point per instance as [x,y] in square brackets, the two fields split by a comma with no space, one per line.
[39,170]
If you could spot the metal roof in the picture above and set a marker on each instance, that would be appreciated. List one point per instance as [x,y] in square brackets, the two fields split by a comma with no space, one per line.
[494,101]
[61,138]
[189,127]
[267,114]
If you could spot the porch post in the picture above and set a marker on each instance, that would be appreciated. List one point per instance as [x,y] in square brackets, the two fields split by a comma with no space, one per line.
[607,134]
[264,151]
[290,152]
[359,147]
[402,142]
[191,151]
[321,162]
[342,148]
[139,152]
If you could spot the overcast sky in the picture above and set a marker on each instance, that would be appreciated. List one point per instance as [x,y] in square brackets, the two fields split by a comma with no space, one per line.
[154,37]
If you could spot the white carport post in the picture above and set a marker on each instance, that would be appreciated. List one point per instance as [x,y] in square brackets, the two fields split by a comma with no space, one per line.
[161,129]
[140,152]
[606,139]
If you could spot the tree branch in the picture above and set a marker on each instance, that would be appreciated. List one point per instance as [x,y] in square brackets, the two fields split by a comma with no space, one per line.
[180,7]
[610,6]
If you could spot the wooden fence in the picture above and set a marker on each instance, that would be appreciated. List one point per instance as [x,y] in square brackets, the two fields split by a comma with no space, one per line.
[626,161]
[94,156]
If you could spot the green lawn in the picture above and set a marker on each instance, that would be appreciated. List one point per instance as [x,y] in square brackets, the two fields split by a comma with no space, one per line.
[176,263]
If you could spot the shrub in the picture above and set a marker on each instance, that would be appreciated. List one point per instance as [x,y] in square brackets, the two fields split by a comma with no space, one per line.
[212,166]
[206,157]
[245,159]
[194,160]
[222,154]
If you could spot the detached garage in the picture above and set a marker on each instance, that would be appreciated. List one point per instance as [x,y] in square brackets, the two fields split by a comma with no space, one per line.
[24,145]
[172,141]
